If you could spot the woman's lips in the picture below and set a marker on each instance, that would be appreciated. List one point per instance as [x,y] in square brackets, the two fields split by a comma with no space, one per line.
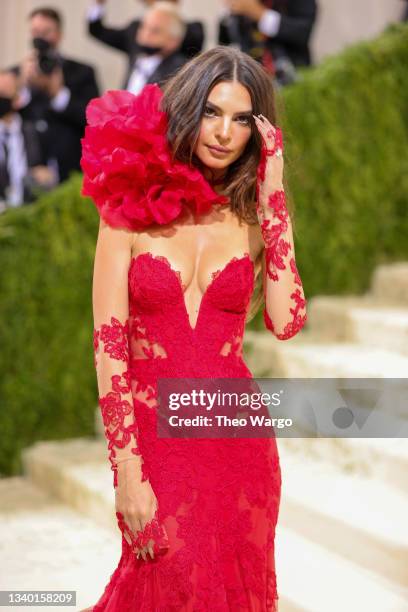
[218,150]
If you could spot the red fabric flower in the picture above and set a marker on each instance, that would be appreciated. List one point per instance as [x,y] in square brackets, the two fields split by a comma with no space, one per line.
[126,160]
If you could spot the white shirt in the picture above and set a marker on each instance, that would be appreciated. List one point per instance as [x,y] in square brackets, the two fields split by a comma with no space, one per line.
[144,66]
[143,69]
[95,12]
[58,103]
[268,24]
[17,159]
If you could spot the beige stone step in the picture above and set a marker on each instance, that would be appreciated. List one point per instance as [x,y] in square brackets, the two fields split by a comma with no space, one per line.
[314,579]
[361,320]
[88,488]
[76,472]
[73,471]
[390,284]
[54,548]
[359,518]
[382,459]
[45,545]
[305,357]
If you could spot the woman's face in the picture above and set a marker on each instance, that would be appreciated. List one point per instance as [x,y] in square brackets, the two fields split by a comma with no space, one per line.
[225,125]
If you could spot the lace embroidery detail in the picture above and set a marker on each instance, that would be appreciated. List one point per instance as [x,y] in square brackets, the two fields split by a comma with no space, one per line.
[216,273]
[116,404]
[298,321]
[181,287]
[164,260]
[277,247]
[218,501]
[176,272]
[261,170]
[234,347]
[153,535]
[143,346]
[274,221]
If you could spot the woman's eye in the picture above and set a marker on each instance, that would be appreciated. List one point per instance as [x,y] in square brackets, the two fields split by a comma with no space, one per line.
[244,119]
[209,111]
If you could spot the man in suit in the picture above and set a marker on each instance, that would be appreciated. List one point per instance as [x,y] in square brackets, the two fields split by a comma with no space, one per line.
[55,91]
[23,169]
[275,32]
[128,40]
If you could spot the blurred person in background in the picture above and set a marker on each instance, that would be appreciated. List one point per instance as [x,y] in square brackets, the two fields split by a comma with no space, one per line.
[55,91]
[23,172]
[274,32]
[128,40]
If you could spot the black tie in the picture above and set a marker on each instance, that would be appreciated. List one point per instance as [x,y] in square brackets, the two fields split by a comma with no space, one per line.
[5,163]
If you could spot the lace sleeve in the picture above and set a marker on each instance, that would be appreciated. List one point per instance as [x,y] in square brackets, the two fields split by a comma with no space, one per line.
[285,303]
[111,343]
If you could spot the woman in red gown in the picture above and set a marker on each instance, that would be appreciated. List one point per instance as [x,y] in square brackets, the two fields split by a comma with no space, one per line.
[188,184]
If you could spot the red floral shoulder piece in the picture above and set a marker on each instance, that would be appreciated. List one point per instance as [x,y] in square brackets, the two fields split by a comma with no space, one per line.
[126,160]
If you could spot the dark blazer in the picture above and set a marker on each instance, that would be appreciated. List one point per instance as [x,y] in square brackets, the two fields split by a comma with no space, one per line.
[292,39]
[32,143]
[61,132]
[123,39]
[34,157]
[167,67]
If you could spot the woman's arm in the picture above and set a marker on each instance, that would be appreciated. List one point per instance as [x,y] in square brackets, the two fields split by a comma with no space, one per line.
[111,345]
[285,303]
[136,503]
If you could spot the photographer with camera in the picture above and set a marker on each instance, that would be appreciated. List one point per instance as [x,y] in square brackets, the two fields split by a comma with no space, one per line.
[55,91]
[274,32]
[24,173]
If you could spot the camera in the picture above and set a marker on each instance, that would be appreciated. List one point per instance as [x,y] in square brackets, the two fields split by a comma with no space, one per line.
[48,59]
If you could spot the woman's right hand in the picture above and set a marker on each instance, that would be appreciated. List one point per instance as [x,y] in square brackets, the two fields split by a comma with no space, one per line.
[136,509]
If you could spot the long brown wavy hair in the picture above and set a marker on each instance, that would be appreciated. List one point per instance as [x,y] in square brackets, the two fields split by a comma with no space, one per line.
[184,98]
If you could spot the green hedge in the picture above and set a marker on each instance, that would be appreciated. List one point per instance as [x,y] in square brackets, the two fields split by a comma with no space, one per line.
[346,124]
[47,385]
[345,127]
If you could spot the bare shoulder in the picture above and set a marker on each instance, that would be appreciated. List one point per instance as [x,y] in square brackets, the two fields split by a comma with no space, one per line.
[114,240]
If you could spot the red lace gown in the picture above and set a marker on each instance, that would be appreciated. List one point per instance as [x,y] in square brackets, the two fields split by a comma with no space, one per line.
[217,498]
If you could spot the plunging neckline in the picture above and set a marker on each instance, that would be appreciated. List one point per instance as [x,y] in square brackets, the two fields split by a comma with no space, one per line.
[177,274]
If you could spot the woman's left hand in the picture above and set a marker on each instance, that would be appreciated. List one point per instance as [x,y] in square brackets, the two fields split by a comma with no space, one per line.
[270,169]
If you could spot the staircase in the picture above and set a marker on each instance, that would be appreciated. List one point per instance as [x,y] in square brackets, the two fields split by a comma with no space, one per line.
[342,537]
[47,545]
[356,337]
[344,501]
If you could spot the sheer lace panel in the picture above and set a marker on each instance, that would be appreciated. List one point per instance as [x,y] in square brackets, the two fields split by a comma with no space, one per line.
[144,394]
[111,354]
[233,347]
[142,346]
[285,303]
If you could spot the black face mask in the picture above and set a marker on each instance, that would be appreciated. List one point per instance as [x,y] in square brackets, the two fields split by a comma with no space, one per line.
[6,106]
[41,44]
[148,49]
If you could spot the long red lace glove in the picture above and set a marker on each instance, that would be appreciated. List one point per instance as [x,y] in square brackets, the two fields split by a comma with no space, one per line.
[136,504]
[285,303]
